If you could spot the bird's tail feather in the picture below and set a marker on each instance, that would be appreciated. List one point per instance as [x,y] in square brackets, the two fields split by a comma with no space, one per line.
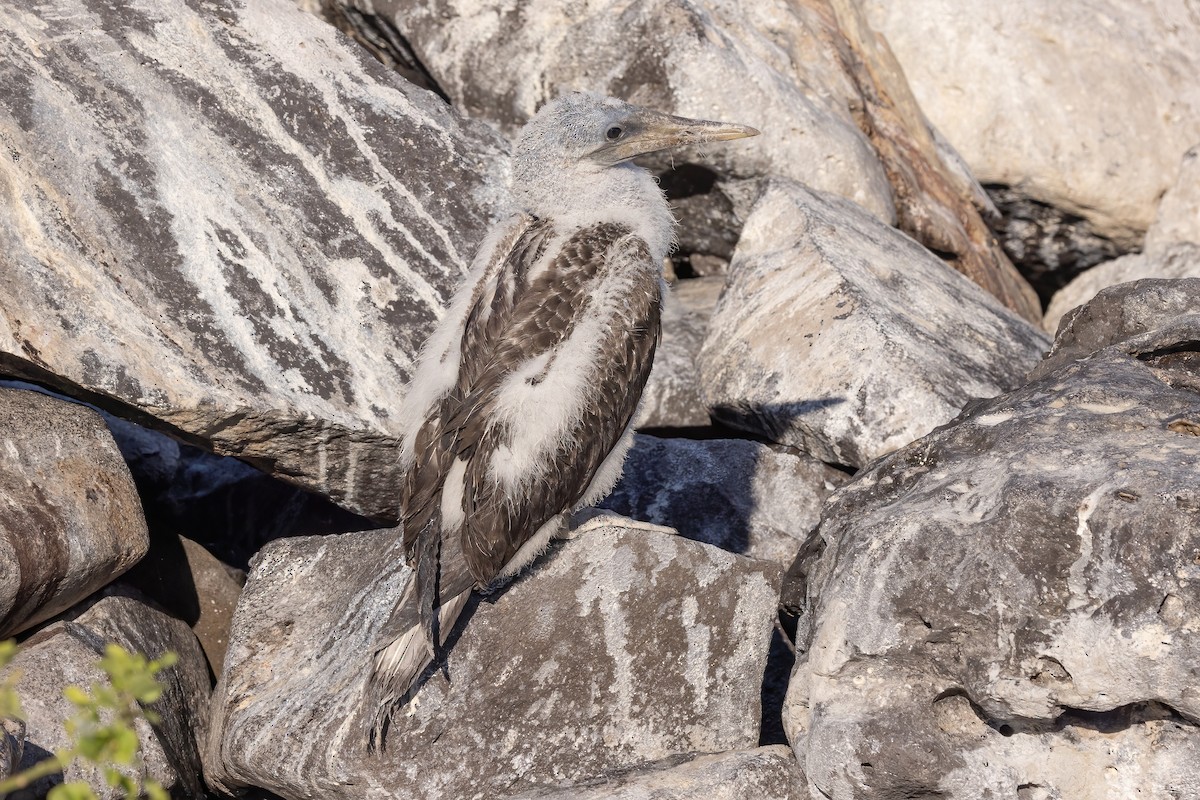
[400,662]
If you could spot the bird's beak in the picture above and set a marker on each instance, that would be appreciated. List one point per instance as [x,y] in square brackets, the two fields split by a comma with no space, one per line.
[650,131]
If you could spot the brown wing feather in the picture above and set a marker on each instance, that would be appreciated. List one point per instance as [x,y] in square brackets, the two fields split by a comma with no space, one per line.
[498,524]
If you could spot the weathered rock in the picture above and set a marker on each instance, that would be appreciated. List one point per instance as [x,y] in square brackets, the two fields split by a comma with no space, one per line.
[844,338]
[833,105]
[1008,607]
[67,652]
[194,586]
[1180,260]
[70,519]
[618,648]
[12,745]
[739,495]
[213,220]
[1117,314]
[1172,247]
[672,397]
[765,773]
[1111,123]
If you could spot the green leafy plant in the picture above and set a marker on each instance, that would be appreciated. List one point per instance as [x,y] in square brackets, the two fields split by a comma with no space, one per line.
[102,730]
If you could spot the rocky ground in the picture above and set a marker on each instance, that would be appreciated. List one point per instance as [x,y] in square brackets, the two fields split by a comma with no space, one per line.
[920,456]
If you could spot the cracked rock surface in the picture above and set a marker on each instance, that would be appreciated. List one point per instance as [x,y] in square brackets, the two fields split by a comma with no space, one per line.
[1010,604]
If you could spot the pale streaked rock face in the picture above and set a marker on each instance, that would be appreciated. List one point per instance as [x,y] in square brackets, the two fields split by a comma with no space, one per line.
[233,222]
[622,647]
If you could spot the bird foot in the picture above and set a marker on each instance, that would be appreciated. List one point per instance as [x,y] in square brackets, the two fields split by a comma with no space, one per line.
[411,710]
[591,519]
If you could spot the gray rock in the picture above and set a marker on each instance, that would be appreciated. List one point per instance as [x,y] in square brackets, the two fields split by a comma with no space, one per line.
[67,652]
[1008,607]
[842,337]
[619,647]
[1118,314]
[672,397]
[765,773]
[739,495]
[1111,123]
[12,745]
[214,221]
[1172,247]
[1181,260]
[70,518]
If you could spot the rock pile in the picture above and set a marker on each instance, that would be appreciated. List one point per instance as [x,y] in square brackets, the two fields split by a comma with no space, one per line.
[874,510]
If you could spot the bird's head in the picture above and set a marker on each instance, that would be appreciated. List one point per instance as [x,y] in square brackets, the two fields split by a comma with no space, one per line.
[590,131]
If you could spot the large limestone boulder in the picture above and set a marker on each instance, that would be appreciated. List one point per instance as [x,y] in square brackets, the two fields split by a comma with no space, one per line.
[213,220]
[617,648]
[70,519]
[1084,105]
[66,653]
[842,337]
[742,496]
[1008,607]
[830,99]
[1172,247]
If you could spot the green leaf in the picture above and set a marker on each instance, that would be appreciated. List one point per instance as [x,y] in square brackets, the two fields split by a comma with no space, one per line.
[77,696]
[155,791]
[76,790]
[8,651]
[124,745]
[10,704]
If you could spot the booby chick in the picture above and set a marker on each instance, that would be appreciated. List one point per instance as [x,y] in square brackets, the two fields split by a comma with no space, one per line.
[521,408]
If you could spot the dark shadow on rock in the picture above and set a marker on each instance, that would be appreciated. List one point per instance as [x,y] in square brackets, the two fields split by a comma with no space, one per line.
[772,422]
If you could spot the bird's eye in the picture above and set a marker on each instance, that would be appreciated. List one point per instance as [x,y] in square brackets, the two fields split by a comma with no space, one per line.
[614,133]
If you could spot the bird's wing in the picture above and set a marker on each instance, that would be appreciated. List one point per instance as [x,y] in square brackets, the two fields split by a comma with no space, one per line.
[561,385]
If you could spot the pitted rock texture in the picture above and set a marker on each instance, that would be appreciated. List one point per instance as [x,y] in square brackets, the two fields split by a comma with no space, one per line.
[12,745]
[67,652]
[1172,247]
[1111,121]
[672,397]
[765,773]
[1011,604]
[213,221]
[842,337]
[830,99]
[742,496]
[617,648]
[70,518]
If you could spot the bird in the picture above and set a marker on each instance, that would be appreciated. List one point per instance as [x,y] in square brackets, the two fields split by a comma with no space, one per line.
[520,409]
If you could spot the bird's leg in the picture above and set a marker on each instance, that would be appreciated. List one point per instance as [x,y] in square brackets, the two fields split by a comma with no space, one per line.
[591,519]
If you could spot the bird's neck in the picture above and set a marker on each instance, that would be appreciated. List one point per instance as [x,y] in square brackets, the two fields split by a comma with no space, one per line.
[578,198]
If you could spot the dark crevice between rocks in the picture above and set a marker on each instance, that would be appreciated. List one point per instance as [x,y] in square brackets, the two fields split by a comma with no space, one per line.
[1178,365]
[384,41]
[708,229]
[781,657]
[1048,246]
